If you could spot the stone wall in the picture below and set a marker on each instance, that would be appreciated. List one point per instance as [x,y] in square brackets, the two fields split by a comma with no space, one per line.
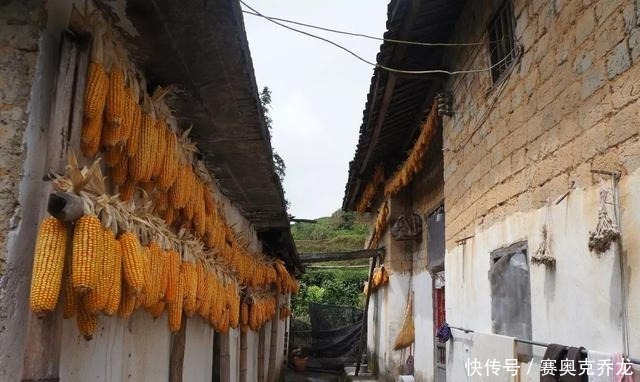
[20,23]
[568,106]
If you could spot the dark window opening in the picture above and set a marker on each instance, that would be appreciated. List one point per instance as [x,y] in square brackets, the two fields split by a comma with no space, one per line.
[502,46]
[511,295]
[436,240]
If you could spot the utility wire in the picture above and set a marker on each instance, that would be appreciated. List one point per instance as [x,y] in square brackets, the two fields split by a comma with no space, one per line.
[255,13]
[376,65]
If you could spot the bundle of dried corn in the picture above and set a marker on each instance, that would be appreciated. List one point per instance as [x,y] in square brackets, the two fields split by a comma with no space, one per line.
[380,225]
[371,189]
[415,161]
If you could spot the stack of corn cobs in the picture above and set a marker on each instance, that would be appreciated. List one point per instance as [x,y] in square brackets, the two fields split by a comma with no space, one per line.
[112,275]
[113,269]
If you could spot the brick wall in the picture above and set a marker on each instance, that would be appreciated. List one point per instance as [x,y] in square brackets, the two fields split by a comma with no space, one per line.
[569,105]
[20,23]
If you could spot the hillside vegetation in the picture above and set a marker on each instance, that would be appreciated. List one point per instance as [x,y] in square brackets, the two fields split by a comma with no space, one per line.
[341,231]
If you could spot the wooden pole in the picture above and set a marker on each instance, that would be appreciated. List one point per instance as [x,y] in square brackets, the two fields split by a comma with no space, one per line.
[261,350]
[243,357]
[308,258]
[363,330]
[176,358]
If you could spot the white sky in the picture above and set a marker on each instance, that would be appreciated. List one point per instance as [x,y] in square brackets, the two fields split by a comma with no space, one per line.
[318,92]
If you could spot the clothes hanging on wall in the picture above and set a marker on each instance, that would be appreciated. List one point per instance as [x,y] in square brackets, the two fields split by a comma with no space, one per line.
[622,370]
[599,358]
[494,347]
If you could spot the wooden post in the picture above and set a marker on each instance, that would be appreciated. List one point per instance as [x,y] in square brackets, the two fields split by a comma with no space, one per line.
[261,350]
[43,336]
[225,357]
[272,373]
[363,330]
[176,358]
[243,357]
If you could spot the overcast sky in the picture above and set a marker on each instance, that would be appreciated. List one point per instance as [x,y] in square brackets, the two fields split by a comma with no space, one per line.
[318,92]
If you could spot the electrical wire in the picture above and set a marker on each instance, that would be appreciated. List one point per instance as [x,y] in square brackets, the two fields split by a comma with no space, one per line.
[376,65]
[419,43]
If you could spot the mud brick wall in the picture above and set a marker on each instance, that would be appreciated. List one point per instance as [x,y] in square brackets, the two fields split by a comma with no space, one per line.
[569,105]
[20,24]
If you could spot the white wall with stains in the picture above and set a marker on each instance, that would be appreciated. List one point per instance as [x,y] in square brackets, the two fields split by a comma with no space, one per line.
[578,303]
[198,352]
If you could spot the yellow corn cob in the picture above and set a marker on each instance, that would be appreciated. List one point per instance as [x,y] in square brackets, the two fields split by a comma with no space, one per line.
[149,280]
[177,192]
[87,245]
[129,111]
[244,328]
[127,302]
[89,145]
[96,90]
[161,148]
[189,272]
[173,276]
[127,190]
[200,214]
[132,262]
[116,100]
[161,202]
[119,171]
[164,275]
[140,164]
[201,285]
[154,292]
[48,264]
[175,307]
[97,298]
[112,155]
[133,143]
[70,302]
[157,309]
[192,195]
[205,307]
[209,202]
[169,215]
[115,282]
[169,172]
[87,322]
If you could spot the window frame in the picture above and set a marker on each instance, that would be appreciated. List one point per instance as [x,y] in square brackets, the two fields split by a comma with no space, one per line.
[501,50]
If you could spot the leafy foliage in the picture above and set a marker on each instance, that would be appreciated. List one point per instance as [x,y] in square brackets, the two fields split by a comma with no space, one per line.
[342,231]
[278,163]
[329,286]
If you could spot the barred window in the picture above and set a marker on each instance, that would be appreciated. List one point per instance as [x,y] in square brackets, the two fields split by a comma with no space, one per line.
[502,46]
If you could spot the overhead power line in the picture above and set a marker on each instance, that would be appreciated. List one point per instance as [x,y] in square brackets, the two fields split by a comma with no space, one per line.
[376,65]
[420,43]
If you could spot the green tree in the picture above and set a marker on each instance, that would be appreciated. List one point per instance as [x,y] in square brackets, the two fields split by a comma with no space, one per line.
[278,163]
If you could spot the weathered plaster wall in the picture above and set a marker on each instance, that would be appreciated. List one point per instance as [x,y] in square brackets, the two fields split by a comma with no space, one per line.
[198,352]
[21,22]
[584,291]
[569,106]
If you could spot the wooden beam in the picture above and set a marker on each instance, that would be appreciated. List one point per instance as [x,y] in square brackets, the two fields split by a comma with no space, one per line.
[363,331]
[176,358]
[308,258]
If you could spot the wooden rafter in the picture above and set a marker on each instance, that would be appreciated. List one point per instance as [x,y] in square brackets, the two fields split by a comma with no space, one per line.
[310,258]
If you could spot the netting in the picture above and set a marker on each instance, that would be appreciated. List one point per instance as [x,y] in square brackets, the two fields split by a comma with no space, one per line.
[335,334]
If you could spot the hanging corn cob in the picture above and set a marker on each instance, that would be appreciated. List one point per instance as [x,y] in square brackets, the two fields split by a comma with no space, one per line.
[95,95]
[115,282]
[175,306]
[173,276]
[48,264]
[97,298]
[189,272]
[87,322]
[86,249]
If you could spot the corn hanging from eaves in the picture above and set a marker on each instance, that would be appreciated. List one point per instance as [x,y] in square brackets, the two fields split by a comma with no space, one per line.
[87,243]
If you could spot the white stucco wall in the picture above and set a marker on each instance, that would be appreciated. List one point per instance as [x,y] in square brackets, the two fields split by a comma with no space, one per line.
[578,303]
[198,352]
[137,350]
[423,320]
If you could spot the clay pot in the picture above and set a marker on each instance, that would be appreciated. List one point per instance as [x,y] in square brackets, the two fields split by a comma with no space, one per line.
[300,364]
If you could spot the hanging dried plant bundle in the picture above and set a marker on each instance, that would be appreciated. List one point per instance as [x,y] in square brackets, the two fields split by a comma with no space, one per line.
[371,189]
[415,160]
[380,225]
[606,231]
[543,253]
[408,332]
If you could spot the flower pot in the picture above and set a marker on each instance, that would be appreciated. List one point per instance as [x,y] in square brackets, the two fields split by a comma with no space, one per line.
[300,363]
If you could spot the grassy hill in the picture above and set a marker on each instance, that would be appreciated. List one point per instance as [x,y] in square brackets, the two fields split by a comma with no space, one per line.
[342,231]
